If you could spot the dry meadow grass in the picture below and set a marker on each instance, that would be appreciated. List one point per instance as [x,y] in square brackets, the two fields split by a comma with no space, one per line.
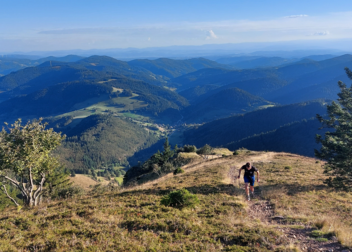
[83,181]
[134,220]
[295,185]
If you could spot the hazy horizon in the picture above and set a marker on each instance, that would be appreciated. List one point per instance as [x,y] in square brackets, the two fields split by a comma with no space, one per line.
[46,26]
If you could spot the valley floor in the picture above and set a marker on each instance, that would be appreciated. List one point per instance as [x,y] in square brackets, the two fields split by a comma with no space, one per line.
[292,211]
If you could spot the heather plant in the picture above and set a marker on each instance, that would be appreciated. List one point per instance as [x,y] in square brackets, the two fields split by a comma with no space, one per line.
[178,171]
[180,199]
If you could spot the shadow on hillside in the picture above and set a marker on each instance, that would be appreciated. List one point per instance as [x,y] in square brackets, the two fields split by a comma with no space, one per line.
[230,189]
[146,153]
[290,189]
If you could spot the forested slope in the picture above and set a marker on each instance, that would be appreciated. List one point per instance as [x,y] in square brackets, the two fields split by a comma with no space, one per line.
[102,140]
[222,104]
[297,137]
[224,131]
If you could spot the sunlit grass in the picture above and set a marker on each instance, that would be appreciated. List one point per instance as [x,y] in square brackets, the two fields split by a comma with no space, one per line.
[133,219]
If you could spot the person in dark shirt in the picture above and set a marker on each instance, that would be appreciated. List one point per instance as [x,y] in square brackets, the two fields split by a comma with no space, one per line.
[249,177]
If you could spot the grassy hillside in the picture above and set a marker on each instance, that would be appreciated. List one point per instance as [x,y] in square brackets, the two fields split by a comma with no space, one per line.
[234,128]
[134,219]
[222,104]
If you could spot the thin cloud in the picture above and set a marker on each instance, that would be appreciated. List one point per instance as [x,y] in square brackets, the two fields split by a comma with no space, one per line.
[211,35]
[322,33]
[297,16]
[78,31]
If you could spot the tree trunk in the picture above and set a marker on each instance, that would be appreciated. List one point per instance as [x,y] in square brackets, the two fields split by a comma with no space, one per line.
[31,197]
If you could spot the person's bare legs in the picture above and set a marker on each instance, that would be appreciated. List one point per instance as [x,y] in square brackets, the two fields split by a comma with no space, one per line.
[247,190]
[252,189]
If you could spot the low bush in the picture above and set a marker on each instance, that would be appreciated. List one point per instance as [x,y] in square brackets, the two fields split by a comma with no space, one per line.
[189,148]
[167,167]
[68,192]
[180,199]
[236,152]
[205,150]
[178,171]
[289,168]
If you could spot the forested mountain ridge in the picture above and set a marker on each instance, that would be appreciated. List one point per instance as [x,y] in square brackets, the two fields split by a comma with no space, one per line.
[175,68]
[62,98]
[262,62]
[219,77]
[222,104]
[12,64]
[273,84]
[297,137]
[232,129]
[262,87]
[99,67]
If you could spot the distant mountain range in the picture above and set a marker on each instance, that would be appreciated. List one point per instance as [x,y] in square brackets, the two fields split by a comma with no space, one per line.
[235,101]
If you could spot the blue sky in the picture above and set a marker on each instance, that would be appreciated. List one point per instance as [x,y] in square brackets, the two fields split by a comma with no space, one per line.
[32,25]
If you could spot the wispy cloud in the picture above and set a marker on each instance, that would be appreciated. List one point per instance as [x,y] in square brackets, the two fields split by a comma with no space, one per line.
[322,33]
[211,35]
[297,16]
[78,31]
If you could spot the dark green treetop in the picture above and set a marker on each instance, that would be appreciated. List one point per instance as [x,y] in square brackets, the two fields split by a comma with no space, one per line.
[337,145]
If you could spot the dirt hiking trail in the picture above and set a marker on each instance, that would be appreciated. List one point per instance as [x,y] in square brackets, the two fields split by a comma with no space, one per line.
[298,235]
[263,210]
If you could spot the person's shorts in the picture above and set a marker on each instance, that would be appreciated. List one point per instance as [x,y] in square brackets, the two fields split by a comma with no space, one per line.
[249,180]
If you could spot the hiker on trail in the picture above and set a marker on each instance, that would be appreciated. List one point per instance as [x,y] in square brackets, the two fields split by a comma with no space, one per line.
[249,178]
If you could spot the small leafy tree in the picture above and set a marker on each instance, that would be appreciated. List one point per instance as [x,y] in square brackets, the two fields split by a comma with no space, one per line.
[189,148]
[26,160]
[337,145]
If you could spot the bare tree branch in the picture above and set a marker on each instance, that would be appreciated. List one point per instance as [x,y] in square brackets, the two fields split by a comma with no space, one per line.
[12,199]
[15,183]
